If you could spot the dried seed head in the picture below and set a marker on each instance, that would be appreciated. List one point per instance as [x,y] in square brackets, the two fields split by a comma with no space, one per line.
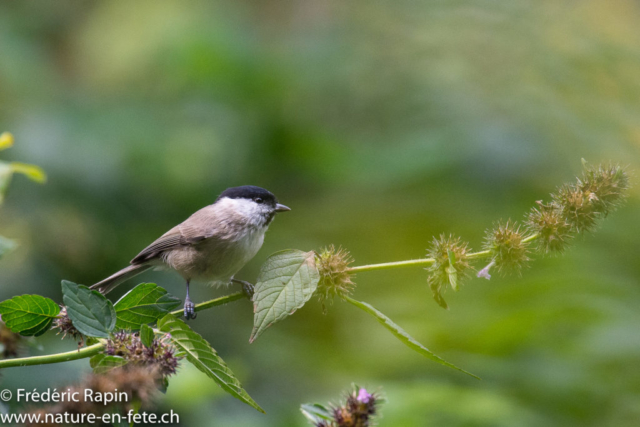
[450,267]
[507,246]
[335,279]
[65,326]
[553,230]
[161,353]
[605,186]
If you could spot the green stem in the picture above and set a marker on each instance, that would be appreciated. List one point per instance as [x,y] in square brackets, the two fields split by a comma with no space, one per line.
[388,265]
[425,261]
[54,358]
[214,302]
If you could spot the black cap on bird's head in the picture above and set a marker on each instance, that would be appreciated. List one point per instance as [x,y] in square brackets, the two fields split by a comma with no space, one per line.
[257,194]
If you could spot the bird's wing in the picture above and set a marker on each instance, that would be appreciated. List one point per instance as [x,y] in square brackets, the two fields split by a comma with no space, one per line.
[179,236]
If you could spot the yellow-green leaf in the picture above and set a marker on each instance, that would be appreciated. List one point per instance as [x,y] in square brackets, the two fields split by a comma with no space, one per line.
[6,140]
[33,172]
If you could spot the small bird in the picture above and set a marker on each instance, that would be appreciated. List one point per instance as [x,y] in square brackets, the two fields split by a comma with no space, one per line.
[212,245]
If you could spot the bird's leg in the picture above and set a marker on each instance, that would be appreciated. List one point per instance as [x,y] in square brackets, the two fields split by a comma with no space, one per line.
[189,307]
[247,288]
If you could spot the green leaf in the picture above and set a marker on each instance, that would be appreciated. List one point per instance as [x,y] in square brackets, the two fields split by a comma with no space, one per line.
[198,351]
[29,315]
[147,335]
[6,245]
[286,282]
[437,296]
[404,337]
[316,413]
[102,363]
[146,303]
[451,271]
[90,312]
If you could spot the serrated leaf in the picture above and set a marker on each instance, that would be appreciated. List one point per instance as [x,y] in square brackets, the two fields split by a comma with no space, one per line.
[316,413]
[147,335]
[6,245]
[399,333]
[90,312]
[286,282]
[29,315]
[146,303]
[103,363]
[199,353]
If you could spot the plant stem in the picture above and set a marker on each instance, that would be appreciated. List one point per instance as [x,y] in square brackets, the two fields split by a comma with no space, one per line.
[54,358]
[388,265]
[212,303]
[424,261]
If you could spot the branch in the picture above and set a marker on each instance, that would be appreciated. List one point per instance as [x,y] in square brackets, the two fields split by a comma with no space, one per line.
[212,303]
[54,358]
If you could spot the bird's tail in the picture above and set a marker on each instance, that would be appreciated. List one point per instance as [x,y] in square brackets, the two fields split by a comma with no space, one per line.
[110,283]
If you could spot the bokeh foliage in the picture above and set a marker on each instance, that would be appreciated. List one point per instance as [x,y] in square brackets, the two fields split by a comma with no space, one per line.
[382,124]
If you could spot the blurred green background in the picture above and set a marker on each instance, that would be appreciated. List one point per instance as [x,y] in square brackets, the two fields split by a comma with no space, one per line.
[381,124]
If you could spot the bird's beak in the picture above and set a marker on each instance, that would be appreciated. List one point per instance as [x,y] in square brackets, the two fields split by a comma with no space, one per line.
[282,208]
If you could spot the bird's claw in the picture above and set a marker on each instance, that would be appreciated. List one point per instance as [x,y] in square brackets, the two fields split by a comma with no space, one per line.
[248,290]
[189,310]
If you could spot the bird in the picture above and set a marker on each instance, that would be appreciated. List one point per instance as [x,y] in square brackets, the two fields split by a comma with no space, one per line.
[212,245]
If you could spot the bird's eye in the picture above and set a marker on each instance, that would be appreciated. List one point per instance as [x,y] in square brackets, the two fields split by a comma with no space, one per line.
[258,200]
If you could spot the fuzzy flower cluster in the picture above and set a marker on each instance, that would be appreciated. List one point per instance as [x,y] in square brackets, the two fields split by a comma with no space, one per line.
[359,410]
[138,382]
[65,327]
[508,247]
[450,265]
[335,278]
[575,208]
[548,228]
[161,355]
[599,191]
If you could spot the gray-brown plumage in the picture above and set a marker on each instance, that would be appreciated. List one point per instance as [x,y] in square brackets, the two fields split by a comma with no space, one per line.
[212,245]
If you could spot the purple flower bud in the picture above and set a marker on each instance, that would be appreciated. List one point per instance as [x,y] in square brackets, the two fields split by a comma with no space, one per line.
[485,271]
[363,396]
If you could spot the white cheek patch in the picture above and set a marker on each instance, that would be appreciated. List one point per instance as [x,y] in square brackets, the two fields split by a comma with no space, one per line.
[244,207]
[249,209]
